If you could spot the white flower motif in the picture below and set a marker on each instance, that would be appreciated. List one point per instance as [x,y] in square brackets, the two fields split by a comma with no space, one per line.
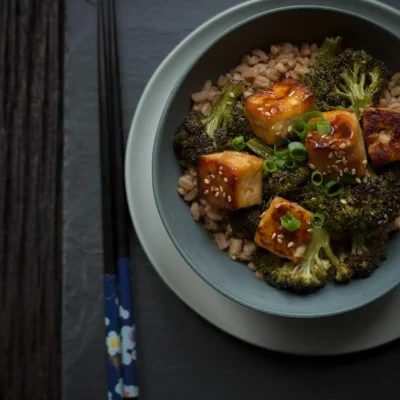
[107,321]
[124,314]
[119,387]
[131,391]
[134,355]
[128,344]
[109,396]
[113,343]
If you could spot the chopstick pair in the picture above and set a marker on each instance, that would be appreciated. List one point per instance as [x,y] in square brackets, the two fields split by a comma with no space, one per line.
[120,328]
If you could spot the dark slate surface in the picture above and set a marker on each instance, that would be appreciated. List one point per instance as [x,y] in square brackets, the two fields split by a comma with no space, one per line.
[181,356]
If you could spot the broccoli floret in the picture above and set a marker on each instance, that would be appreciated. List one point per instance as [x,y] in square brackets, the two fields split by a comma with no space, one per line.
[285,182]
[244,222]
[318,266]
[360,208]
[329,48]
[204,135]
[351,79]
[366,255]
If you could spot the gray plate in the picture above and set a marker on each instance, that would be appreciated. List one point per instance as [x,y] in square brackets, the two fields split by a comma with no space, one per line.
[373,325]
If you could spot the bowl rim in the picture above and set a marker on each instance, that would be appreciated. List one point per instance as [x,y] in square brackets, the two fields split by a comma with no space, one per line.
[155,162]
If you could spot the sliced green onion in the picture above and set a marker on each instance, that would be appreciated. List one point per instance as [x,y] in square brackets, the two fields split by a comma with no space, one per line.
[324,127]
[281,148]
[290,164]
[259,148]
[299,129]
[333,188]
[308,117]
[269,166]
[280,163]
[297,151]
[317,178]
[290,222]
[238,143]
[318,220]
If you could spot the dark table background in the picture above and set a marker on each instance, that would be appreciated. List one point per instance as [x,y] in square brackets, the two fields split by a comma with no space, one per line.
[181,356]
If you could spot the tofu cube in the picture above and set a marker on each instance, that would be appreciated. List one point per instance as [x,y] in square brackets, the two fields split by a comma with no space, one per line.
[271,235]
[230,179]
[382,135]
[272,111]
[340,152]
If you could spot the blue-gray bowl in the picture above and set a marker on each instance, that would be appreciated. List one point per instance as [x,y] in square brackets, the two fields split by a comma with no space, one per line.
[234,280]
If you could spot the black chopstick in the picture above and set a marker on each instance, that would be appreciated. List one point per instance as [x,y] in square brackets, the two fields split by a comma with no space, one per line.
[122,382]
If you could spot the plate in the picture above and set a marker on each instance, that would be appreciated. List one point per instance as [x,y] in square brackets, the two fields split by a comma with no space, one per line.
[373,325]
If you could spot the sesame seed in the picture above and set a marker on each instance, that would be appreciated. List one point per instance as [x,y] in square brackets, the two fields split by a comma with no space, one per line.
[346,170]
[313,199]
[212,176]
[229,199]
[289,129]
[206,192]
[358,180]
[216,194]
[232,95]
[268,114]
[224,194]
[335,167]
[212,188]
[344,159]
[365,162]
[309,135]
[309,230]
[260,109]
[324,173]
[343,201]
[225,180]
[206,181]
[220,172]
[281,236]
[220,188]
[330,155]
[308,222]
[221,168]
[338,161]
[353,171]
[277,205]
[336,154]
[229,103]
[279,241]
[312,166]
[290,244]
[273,236]
[342,146]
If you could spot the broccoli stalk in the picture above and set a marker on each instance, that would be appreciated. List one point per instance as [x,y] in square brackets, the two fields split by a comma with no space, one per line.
[204,135]
[354,88]
[318,265]
[221,114]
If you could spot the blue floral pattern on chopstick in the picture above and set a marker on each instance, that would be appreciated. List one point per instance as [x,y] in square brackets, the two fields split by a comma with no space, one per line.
[113,341]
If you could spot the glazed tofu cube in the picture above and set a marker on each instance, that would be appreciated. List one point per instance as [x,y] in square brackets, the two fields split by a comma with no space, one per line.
[230,179]
[382,135]
[271,235]
[272,111]
[340,152]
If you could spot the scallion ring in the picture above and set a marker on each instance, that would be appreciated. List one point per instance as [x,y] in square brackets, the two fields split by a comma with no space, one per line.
[317,178]
[297,151]
[290,222]
[299,129]
[308,117]
[290,164]
[238,143]
[333,188]
[318,220]
[269,166]
[324,127]
[280,163]
[281,148]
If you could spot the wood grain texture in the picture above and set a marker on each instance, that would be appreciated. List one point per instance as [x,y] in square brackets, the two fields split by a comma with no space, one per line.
[31,59]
